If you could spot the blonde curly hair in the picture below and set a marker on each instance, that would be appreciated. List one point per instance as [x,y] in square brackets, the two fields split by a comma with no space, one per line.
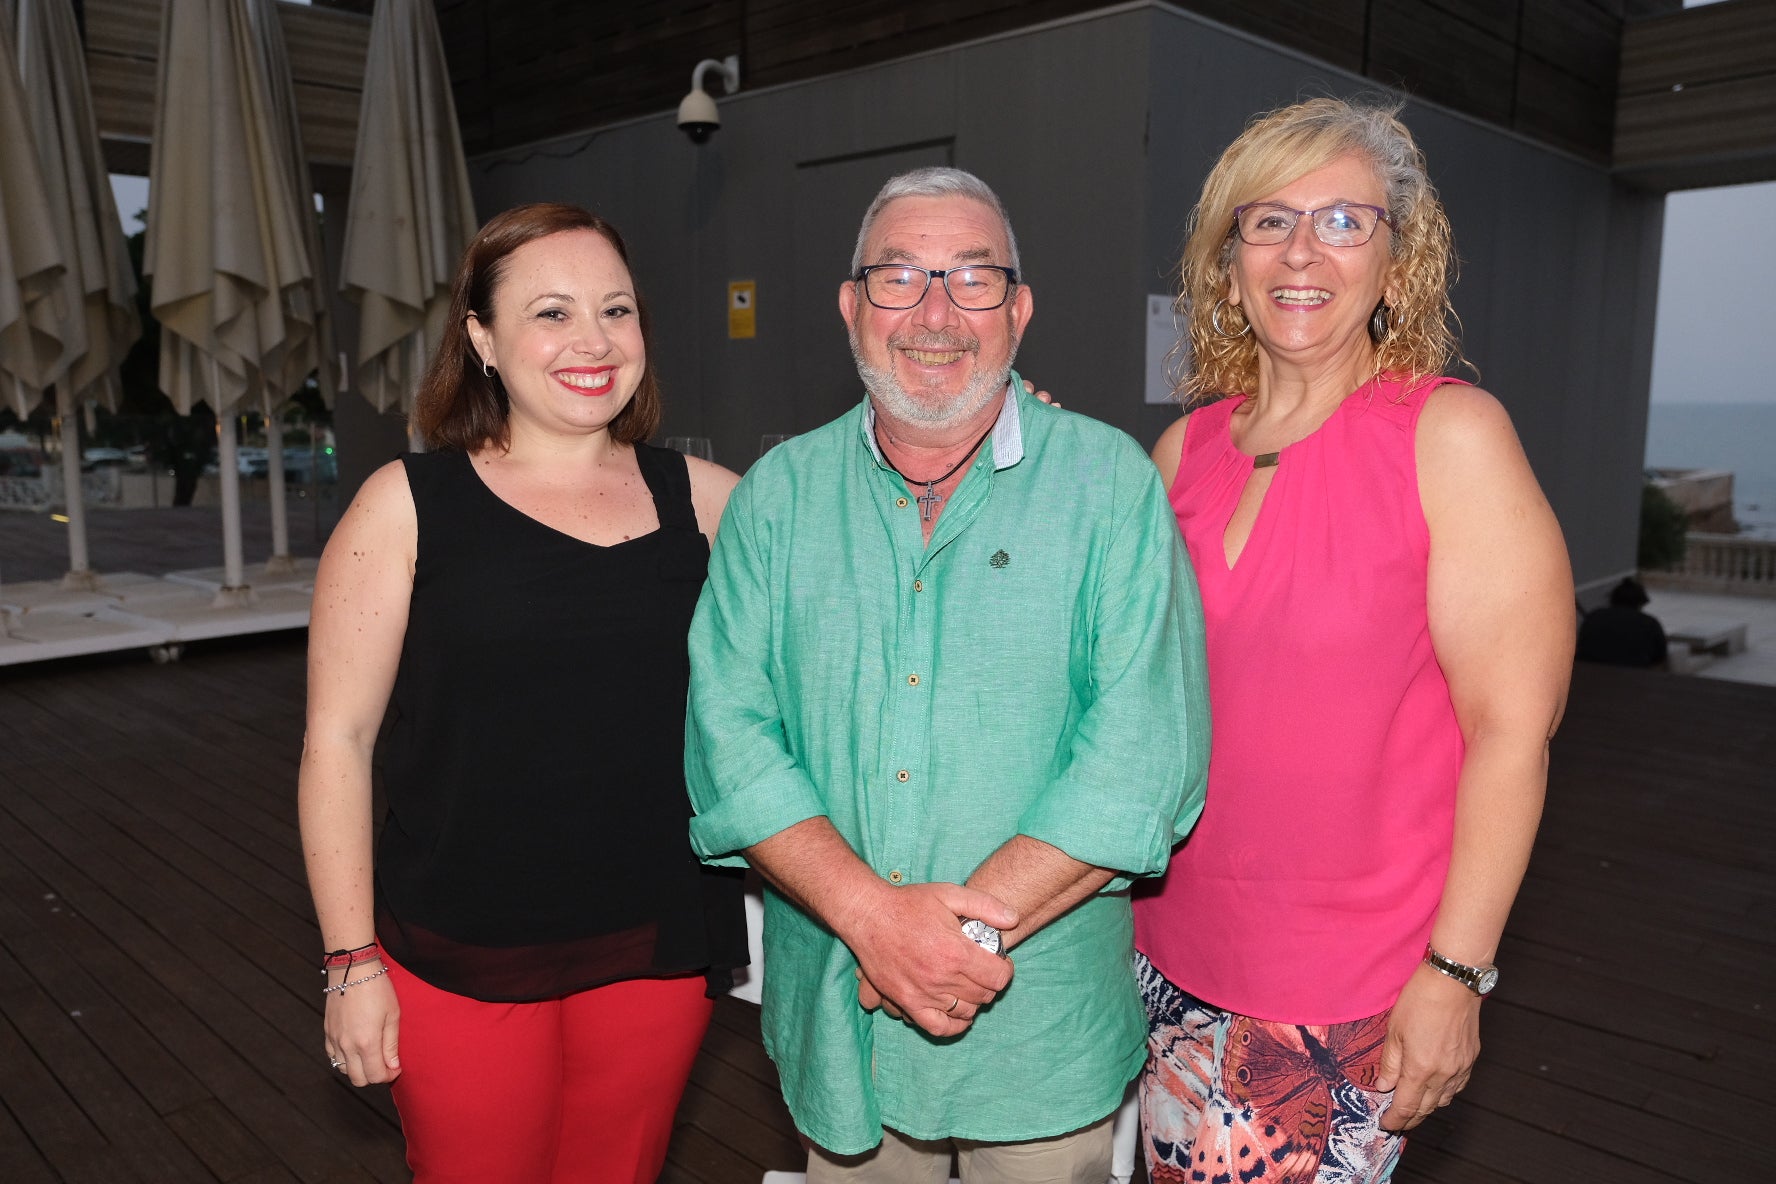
[1275,149]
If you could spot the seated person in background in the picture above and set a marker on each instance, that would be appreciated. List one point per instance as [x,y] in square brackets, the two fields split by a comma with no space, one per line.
[1623,633]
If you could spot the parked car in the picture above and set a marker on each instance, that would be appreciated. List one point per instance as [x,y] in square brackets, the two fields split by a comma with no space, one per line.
[96,458]
[298,461]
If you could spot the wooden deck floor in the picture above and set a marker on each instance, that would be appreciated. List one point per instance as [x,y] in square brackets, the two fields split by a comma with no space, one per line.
[159,1017]
[156,541]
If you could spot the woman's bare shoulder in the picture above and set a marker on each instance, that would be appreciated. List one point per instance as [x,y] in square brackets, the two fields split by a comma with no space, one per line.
[1458,416]
[381,515]
[710,486]
[1168,452]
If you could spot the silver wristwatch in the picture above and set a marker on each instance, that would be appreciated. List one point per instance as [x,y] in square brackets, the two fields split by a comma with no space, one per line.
[1478,979]
[982,935]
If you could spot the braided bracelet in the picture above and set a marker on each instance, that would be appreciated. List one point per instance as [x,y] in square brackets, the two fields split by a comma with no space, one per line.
[348,958]
[340,988]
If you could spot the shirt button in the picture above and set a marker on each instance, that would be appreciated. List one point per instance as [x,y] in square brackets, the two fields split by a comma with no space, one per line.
[912,680]
[896,876]
[902,775]
[918,585]
[901,502]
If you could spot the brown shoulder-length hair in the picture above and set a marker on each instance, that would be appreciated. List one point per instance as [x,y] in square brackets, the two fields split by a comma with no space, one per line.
[1274,150]
[458,406]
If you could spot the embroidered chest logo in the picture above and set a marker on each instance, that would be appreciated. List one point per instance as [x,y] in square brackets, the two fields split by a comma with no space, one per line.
[998,559]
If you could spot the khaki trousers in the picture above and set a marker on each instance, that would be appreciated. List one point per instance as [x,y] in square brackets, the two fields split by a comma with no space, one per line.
[1082,1157]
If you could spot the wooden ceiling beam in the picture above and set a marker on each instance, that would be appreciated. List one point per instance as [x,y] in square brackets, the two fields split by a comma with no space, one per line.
[1693,100]
[1696,98]
[327,47]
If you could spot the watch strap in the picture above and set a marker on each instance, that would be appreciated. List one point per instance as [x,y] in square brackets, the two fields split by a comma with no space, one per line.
[1478,979]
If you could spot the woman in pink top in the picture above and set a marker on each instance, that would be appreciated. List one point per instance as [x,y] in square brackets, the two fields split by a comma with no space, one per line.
[1390,632]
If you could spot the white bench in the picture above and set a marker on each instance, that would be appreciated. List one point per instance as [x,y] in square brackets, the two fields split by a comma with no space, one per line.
[1720,640]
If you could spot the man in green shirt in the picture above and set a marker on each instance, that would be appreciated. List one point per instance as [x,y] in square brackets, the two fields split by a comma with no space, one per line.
[947,668]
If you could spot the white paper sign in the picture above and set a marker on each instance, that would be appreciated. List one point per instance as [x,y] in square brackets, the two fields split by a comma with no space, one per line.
[1163,332]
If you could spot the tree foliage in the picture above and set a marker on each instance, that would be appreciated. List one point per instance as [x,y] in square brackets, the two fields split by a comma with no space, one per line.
[1663,527]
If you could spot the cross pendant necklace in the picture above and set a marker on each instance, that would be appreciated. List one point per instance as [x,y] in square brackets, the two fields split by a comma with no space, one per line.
[931,498]
[928,502]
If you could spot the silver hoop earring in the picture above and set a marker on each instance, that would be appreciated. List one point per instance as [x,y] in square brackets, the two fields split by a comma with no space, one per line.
[1215,321]
[486,370]
[1380,323]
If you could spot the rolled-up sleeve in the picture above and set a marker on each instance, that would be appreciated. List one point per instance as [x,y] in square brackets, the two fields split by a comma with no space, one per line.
[1138,762]
[744,784]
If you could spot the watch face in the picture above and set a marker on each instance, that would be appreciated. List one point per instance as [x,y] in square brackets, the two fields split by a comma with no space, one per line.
[1489,978]
[982,935]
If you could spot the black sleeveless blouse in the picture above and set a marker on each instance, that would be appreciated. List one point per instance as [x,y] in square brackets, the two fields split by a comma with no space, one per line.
[535,842]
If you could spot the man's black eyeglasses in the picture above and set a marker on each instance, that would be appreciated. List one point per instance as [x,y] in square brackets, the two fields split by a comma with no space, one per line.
[977,287]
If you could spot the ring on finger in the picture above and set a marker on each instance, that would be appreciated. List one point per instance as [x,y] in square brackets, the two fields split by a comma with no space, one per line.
[954,1004]
[340,1065]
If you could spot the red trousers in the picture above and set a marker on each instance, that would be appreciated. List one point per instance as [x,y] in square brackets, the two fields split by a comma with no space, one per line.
[579,1090]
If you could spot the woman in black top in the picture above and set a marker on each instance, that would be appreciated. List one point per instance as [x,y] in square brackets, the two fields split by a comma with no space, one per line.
[531,958]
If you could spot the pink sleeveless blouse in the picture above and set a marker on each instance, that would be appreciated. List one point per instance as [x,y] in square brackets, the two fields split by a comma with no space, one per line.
[1307,890]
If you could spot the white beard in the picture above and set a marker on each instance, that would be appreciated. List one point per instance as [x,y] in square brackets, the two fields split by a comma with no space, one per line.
[896,402]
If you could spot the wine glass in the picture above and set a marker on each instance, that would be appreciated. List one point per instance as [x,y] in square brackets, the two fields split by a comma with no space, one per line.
[697,446]
[770,440]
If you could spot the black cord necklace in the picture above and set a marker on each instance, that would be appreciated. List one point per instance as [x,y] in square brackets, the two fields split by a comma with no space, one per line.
[929,499]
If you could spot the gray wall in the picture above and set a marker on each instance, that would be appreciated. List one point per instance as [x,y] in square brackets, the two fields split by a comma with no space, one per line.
[1097,133]
[1054,120]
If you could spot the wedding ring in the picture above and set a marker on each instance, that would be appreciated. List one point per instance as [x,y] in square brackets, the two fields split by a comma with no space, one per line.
[340,1065]
[954,1004]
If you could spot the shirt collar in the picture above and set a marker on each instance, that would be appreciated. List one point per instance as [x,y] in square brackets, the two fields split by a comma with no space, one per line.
[1008,429]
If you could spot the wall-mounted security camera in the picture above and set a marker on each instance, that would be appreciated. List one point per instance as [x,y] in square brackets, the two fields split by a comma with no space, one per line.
[697,114]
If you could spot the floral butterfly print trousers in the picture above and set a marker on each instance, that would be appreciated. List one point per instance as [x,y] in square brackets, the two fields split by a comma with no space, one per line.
[1230,1099]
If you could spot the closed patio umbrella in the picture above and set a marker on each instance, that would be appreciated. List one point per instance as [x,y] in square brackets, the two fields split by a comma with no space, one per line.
[411,211]
[96,302]
[31,266]
[311,351]
[232,281]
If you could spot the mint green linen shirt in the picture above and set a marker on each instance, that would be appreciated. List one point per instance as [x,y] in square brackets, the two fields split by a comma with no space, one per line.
[1055,631]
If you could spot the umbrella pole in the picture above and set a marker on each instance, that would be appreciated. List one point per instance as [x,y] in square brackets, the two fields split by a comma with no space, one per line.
[80,576]
[234,592]
[280,563]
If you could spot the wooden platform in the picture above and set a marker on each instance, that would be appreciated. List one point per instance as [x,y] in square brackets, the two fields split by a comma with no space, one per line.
[158,541]
[159,1011]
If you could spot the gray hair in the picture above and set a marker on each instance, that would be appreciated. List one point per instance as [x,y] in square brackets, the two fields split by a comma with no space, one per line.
[934,182]
[1374,130]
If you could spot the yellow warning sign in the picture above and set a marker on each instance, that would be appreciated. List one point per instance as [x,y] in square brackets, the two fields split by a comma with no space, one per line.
[742,313]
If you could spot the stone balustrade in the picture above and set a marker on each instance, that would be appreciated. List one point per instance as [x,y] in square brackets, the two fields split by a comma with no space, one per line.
[1728,563]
